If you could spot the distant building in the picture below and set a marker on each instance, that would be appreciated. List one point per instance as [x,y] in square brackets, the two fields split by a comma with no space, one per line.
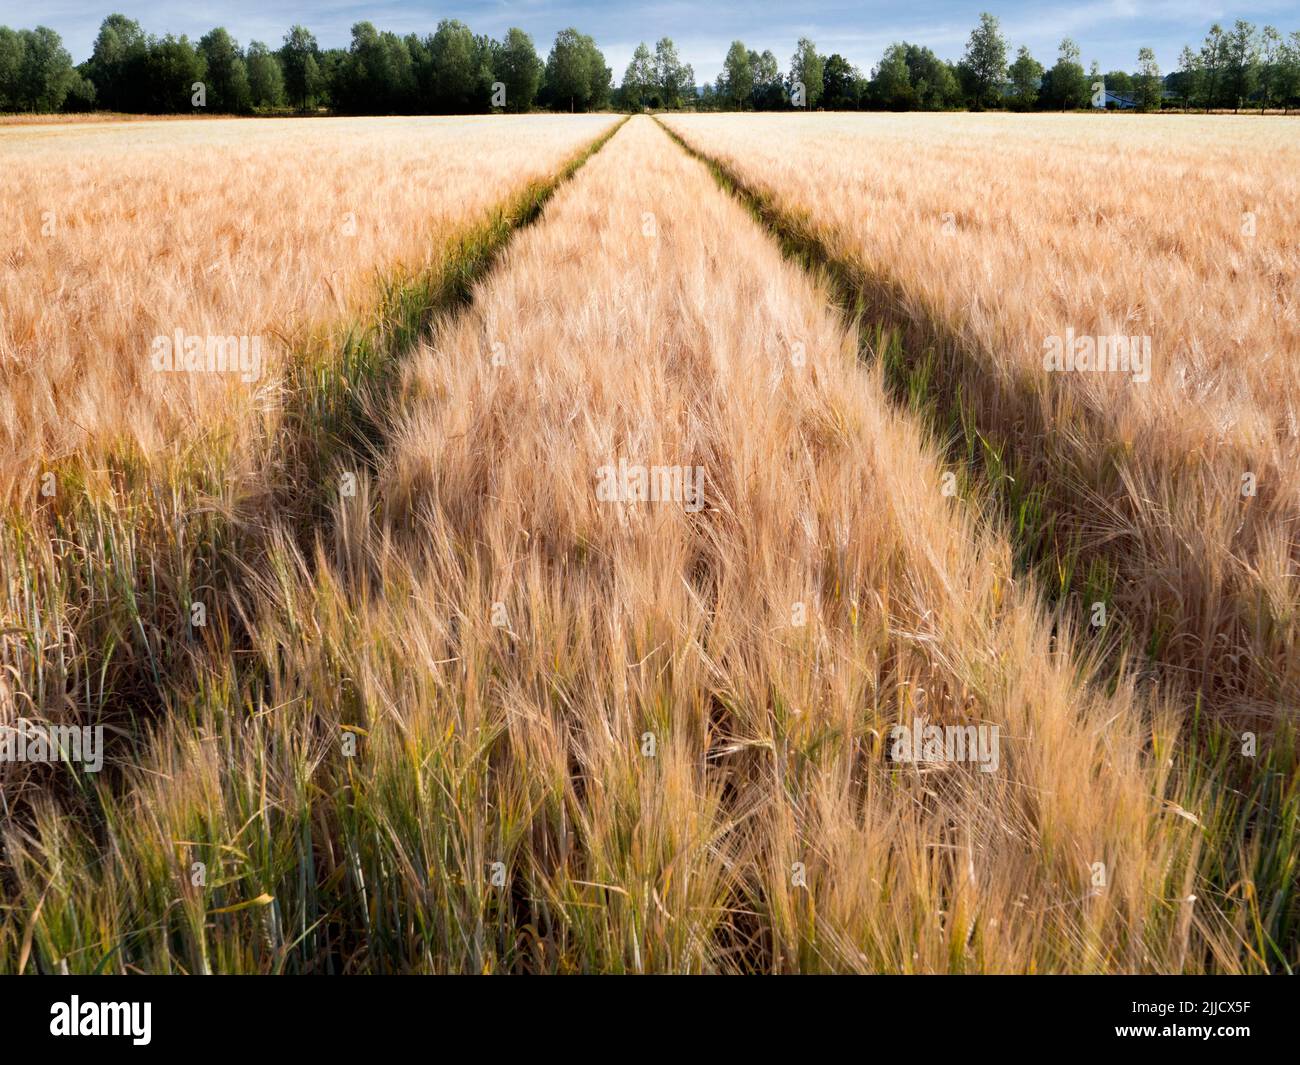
[1122,101]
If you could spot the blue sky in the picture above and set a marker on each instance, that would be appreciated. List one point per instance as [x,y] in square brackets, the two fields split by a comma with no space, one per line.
[1110,31]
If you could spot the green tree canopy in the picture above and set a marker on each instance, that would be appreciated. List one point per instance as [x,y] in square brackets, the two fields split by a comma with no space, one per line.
[519,69]
[1026,75]
[265,78]
[736,85]
[576,76]
[1067,82]
[841,84]
[674,79]
[806,68]
[637,89]
[1148,84]
[891,83]
[986,60]
[1241,63]
[769,87]
[298,60]
[227,76]
[36,71]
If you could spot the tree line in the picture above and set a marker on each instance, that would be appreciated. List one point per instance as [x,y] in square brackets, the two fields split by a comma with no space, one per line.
[455,71]
[450,71]
[1233,69]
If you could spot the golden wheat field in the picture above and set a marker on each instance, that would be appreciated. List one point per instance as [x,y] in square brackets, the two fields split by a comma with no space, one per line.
[652,546]
[122,232]
[1171,487]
